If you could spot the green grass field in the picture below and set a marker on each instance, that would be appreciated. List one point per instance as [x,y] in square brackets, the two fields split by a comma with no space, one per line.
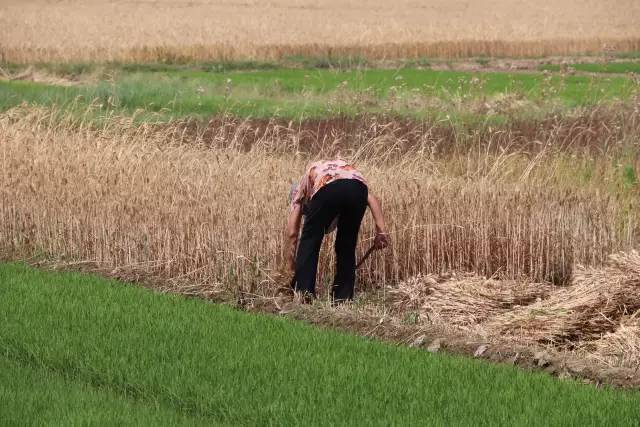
[78,349]
[31,395]
[171,91]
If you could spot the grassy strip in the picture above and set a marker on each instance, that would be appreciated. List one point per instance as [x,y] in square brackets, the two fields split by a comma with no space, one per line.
[223,365]
[295,93]
[32,396]
[634,54]
[296,62]
[612,67]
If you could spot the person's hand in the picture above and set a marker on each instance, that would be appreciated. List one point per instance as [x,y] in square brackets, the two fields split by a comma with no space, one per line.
[381,240]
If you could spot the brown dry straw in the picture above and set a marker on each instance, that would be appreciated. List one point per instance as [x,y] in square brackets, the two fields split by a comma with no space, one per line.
[590,307]
[620,348]
[463,299]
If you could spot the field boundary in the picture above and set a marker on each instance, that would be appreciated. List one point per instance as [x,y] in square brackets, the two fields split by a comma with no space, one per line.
[434,338]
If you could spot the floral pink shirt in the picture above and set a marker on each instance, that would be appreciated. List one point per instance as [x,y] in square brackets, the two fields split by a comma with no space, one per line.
[320,174]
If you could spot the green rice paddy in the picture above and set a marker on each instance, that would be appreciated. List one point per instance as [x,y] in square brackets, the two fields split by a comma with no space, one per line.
[77,349]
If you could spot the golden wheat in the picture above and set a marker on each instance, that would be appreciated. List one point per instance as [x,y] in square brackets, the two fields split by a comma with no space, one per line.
[74,30]
[140,198]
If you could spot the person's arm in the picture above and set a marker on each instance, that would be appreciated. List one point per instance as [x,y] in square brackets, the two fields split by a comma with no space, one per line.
[293,230]
[382,238]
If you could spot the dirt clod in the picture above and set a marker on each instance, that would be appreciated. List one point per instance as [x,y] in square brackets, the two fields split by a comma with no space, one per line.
[435,346]
[418,342]
[480,350]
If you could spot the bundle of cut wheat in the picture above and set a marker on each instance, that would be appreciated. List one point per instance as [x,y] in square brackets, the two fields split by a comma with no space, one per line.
[620,348]
[471,300]
[410,293]
[590,307]
[464,300]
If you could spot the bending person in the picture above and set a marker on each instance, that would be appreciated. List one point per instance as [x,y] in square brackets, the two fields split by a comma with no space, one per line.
[331,193]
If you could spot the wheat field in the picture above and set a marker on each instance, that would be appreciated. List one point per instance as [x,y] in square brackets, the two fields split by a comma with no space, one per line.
[152,30]
[209,208]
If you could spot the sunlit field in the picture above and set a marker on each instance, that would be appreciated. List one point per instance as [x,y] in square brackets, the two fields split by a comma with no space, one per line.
[179,30]
[156,143]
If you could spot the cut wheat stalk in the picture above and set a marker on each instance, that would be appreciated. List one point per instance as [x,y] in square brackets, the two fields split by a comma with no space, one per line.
[592,306]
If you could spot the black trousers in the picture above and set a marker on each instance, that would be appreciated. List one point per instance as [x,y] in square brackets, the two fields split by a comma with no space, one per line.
[347,200]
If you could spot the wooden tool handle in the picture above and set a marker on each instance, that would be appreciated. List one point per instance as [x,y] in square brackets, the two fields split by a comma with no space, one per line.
[366,255]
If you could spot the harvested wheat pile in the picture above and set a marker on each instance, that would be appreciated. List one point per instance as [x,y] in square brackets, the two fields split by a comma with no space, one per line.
[473,300]
[620,348]
[590,307]
[464,300]
[409,295]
